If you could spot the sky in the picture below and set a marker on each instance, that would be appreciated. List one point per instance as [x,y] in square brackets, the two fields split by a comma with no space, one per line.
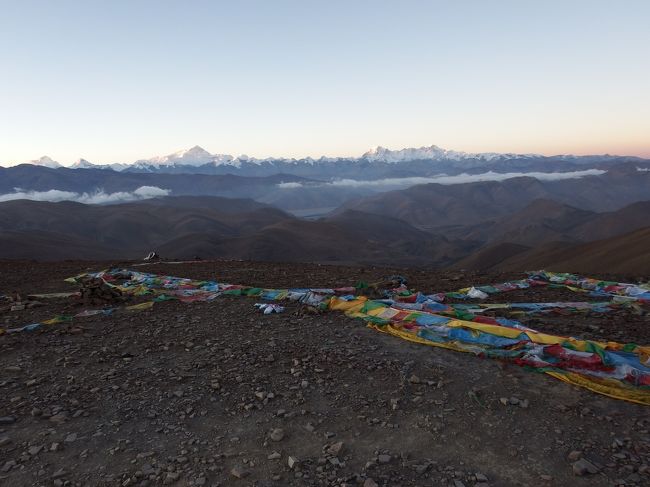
[125,80]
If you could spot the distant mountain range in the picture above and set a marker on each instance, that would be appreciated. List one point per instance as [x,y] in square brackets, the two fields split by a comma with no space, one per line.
[374,164]
[543,234]
[415,207]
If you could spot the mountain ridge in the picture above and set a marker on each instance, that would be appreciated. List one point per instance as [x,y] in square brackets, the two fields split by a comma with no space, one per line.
[197,157]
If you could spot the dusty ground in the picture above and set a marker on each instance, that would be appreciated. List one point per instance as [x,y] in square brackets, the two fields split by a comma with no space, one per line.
[217,394]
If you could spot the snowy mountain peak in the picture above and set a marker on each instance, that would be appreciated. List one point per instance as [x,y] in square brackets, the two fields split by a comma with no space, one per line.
[382,154]
[431,153]
[82,164]
[198,157]
[193,153]
[45,161]
[194,156]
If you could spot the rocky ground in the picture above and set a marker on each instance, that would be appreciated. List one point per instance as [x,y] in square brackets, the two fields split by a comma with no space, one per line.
[218,394]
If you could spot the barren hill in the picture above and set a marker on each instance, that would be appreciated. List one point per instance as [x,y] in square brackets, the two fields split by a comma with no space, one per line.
[125,230]
[539,222]
[349,237]
[624,220]
[624,254]
[543,221]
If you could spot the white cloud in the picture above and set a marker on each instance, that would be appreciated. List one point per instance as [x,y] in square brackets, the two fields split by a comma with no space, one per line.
[150,192]
[643,169]
[289,185]
[394,183]
[51,195]
[96,197]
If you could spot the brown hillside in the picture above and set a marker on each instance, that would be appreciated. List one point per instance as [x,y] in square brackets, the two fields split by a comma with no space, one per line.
[490,256]
[625,254]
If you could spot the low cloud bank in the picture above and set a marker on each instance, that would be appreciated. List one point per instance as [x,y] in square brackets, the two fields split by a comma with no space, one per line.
[97,197]
[289,185]
[447,180]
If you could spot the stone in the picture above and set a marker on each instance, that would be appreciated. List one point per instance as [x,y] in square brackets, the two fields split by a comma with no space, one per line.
[4,440]
[72,437]
[292,461]
[59,473]
[584,467]
[59,418]
[8,465]
[384,458]
[277,434]
[7,419]
[574,456]
[370,483]
[239,473]
[414,379]
[480,477]
[171,477]
[35,450]
[334,461]
[335,448]
[274,456]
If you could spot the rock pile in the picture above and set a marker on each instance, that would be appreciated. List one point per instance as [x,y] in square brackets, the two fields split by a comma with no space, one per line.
[15,302]
[95,291]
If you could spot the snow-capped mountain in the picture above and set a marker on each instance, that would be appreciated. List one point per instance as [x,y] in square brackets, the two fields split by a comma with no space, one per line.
[196,156]
[377,163]
[82,164]
[433,153]
[45,161]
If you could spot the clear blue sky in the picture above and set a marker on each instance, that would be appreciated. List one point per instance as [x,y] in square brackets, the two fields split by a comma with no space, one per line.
[114,81]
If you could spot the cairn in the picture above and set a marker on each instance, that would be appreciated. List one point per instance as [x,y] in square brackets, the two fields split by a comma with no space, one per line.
[95,291]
